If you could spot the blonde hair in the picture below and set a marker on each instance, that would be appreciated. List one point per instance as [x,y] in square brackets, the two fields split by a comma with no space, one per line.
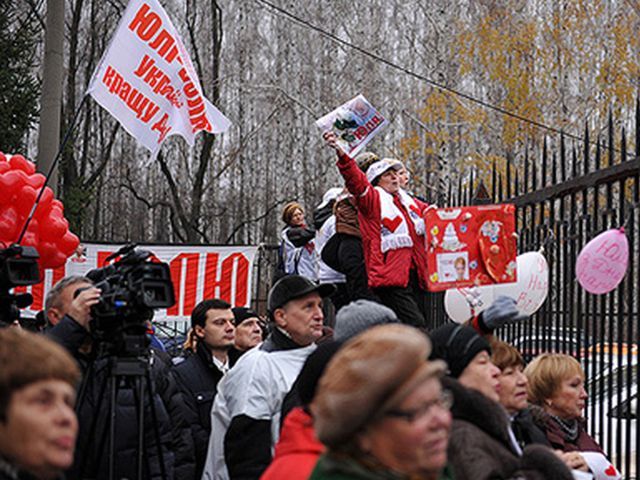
[546,374]
[289,210]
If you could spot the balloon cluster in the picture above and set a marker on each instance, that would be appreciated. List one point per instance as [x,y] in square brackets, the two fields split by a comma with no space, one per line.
[48,231]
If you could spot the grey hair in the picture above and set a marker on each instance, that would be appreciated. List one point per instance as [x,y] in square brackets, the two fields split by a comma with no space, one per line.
[53,297]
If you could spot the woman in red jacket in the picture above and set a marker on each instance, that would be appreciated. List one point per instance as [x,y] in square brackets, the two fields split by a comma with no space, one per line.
[392,228]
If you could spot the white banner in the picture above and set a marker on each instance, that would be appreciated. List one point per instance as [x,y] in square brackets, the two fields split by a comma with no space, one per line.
[197,273]
[146,80]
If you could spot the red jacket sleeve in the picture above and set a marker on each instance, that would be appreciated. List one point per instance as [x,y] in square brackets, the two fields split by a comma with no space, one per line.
[356,182]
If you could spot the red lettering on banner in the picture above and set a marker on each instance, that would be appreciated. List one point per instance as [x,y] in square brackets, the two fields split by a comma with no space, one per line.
[188,294]
[146,24]
[143,107]
[225,282]
[157,80]
[198,120]
[162,127]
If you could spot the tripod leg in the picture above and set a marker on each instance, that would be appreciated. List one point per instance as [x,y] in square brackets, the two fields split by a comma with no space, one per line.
[112,428]
[156,430]
[140,389]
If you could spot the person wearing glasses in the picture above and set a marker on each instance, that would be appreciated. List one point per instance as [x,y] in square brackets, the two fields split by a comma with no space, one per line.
[483,444]
[380,409]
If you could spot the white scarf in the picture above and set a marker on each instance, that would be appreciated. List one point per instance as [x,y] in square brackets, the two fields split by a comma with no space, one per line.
[394,231]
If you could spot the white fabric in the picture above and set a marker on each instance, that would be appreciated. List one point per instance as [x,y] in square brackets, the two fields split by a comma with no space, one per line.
[600,466]
[298,260]
[255,387]
[400,237]
[378,168]
[326,274]
[146,80]
[222,366]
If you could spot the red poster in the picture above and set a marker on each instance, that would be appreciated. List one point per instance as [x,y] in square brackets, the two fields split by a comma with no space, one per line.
[469,246]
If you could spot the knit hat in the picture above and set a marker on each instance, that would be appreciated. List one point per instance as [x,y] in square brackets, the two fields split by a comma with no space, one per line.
[371,374]
[360,315]
[313,369]
[240,314]
[295,286]
[457,345]
[380,167]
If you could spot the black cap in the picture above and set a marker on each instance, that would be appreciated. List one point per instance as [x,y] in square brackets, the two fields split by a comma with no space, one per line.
[457,345]
[295,286]
[240,314]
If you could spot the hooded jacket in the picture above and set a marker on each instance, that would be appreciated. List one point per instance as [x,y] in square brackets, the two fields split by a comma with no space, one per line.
[389,269]
[480,447]
[297,451]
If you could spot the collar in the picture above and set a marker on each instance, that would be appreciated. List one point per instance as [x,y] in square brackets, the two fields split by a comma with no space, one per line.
[279,339]
[222,366]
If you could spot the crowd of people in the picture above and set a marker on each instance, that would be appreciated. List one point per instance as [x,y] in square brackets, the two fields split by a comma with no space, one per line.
[379,395]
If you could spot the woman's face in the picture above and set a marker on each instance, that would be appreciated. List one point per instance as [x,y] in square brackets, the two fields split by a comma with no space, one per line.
[39,434]
[297,219]
[417,445]
[513,389]
[389,181]
[403,177]
[482,375]
[568,401]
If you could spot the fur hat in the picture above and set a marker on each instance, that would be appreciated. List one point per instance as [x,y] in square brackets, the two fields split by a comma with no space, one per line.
[457,345]
[358,316]
[371,374]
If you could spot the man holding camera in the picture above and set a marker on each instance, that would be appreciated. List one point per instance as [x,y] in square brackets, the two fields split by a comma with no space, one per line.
[163,417]
[245,419]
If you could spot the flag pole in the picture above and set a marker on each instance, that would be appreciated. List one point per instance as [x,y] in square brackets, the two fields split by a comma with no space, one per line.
[67,135]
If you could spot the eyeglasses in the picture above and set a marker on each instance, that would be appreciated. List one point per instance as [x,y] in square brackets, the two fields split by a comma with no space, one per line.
[445,401]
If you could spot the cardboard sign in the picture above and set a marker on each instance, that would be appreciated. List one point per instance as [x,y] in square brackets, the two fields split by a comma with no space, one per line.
[197,273]
[146,80]
[469,246]
[355,123]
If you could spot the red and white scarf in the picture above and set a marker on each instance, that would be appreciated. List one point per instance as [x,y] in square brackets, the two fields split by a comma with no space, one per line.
[394,230]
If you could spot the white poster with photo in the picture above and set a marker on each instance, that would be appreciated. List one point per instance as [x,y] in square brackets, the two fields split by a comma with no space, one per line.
[453,267]
[355,123]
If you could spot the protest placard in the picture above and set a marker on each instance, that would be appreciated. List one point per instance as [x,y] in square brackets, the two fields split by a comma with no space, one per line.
[355,123]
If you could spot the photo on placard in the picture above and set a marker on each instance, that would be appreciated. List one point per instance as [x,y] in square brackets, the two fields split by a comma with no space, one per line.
[453,267]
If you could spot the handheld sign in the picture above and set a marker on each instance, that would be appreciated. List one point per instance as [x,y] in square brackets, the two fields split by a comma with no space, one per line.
[355,123]
[470,246]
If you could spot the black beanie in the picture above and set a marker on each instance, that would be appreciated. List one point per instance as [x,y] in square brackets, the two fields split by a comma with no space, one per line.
[457,345]
[240,314]
[313,369]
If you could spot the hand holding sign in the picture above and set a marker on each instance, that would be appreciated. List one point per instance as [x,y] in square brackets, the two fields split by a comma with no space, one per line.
[602,263]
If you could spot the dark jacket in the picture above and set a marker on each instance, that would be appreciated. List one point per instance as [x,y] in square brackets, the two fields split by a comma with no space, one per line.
[526,431]
[480,448]
[559,439]
[92,447]
[297,451]
[198,379]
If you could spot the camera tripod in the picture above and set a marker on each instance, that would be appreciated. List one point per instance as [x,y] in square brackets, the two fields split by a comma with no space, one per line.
[110,375]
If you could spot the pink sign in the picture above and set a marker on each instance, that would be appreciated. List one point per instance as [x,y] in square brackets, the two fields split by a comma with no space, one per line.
[603,261]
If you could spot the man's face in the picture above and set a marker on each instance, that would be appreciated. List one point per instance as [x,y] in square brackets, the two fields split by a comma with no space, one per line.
[416,446]
[218,332]
[40,430]
[55,314]
[248,334]
[302,318]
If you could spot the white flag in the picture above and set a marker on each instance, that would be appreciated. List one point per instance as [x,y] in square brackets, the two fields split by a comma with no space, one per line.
[146,80]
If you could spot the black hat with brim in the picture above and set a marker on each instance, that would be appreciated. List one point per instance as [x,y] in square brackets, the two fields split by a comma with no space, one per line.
[295,286]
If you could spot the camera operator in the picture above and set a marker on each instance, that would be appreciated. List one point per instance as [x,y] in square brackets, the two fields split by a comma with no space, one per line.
[91,460]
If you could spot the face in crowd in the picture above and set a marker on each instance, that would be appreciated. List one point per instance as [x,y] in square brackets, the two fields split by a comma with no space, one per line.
[302,318]
[403,177]
[248,334]
[482,375]
[413,437]
[62,305]
[513,389]
[297,219]
[389,181]
[218,332]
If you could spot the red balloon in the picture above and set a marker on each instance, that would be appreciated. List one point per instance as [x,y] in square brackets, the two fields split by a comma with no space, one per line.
[4,167]
[54,228]
[10,183]
[36,180]
[18,162]
[25,200]
[30,239]
[44,207]
[68,243]
[3,157]
[48,252]
[9,224]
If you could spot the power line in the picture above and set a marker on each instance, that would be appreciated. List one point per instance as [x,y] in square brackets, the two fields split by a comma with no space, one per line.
[433,83]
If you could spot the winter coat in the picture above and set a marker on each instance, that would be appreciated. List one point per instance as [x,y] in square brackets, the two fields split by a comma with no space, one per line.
[198,379]
[557,437]
[347,216]
[92,451]
[526,431]
[297,451]
[389,269]
[245,418]
[480,448]
[333,467]
[297,250]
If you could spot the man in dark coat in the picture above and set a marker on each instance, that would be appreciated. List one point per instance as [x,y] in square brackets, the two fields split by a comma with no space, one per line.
[198,375]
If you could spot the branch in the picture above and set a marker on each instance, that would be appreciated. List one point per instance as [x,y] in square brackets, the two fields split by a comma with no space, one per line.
[106,155]
[256,219]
